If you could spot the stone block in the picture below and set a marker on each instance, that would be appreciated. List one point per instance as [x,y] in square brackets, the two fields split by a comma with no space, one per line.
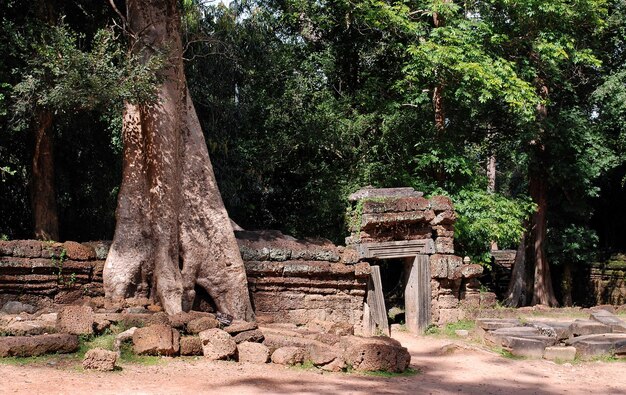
[488,300]
[448,302]
[586,327]
[447,217]
[238,326]
[288,355]
[525,347]
[77,320]
[441,203]
[190,345]
[253,336]
[609,319]
[99,359]
[589,346]
[156,339]
[29,328]
[79,252]
[375,354]
[560,353]
[322,354]
[444,230]
[490,324]
[447,316]
[202,324]
[217,344]
[444,245]
[123,337]
[556,329]
[26,248]
[28,346]
[15,307]
[253,352]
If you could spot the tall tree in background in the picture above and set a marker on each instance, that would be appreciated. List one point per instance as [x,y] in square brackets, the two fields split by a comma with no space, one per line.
[172,232]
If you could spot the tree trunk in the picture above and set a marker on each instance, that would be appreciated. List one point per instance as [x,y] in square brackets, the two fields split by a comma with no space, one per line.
[491,185]
[517,294]
[567,284]
[43,197]
[172,231]
[543,291]
[440,115]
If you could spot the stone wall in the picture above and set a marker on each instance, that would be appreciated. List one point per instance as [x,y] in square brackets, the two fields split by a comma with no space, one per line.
[298,281]
[607,280]
[290,280]
[42,273]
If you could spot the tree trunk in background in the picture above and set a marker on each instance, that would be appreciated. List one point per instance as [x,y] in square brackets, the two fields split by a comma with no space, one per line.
[518,293]
[172,231]
[491,185]
[43,197]
[543,291]
[440,114]
[566,284]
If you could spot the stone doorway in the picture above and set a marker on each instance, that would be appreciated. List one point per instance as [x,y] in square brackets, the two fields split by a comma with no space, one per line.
[415,295]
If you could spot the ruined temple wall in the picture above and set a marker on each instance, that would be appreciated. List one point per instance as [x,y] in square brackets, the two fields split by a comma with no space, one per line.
[298,281]
[290,280]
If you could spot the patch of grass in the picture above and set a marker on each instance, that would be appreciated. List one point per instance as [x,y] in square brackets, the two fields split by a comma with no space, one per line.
[506,353]
[467,325]
[306,365]
[432,330]
[22,361]
[382,373]
[128,356]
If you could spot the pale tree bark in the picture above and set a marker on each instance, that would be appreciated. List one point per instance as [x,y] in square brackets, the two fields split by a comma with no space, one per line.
[43,196]
[172,231]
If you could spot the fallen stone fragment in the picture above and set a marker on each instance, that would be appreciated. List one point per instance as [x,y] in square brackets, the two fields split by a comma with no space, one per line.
[559,330]
[587,327]
[600,344]
[321,354]
[99,359]
[122,337]
[375,353]
[238,326]
[77,320]
[255,336]
[217,344]
[490,324]
[288,355]
[15,307]
[29,346]
[253,352]
[156,340]
[525,347]
[560,353]
[190,345]
[202,324]
[28,328]
[609,319]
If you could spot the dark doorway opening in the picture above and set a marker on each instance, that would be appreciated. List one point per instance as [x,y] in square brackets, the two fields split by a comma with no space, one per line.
[393,278]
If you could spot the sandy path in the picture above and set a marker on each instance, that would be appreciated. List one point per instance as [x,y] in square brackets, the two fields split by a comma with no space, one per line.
[464,371]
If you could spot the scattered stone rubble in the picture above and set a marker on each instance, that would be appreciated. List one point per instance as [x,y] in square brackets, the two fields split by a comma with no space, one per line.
[602,334]
[327,345]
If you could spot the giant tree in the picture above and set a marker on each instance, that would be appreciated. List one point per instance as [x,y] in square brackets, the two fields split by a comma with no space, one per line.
[172,232]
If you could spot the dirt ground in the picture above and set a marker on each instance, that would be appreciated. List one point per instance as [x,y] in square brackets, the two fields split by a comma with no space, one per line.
[466,370]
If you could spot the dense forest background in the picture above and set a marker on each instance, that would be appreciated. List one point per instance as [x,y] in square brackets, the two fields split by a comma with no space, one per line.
[515,109]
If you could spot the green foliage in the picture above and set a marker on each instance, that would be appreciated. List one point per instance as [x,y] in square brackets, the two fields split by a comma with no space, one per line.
[63,77]
[488,217]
